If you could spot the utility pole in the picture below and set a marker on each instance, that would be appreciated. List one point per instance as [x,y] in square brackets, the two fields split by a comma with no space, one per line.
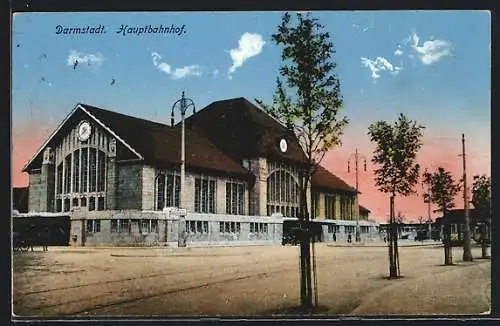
[427,200]
[467,256]
[356,157]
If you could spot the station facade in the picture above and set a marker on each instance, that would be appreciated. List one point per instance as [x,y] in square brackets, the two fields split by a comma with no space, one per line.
[118,177]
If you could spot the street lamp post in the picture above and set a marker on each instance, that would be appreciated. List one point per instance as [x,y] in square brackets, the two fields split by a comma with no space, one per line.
[183,104]
[356,156]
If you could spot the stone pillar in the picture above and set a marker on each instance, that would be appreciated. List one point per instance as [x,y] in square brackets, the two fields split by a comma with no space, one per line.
[148,188]
[111,176]
[356,208]
[220,196]
[47,184]
[258,194]
[321,206]
[338,209]
[77,230]
[309,200]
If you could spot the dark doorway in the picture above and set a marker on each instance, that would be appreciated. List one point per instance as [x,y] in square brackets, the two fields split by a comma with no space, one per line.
[35,228]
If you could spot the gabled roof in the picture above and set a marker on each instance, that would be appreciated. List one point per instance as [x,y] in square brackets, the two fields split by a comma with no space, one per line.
[217,138]
[242,130]
[154,142]
[164,147]
[132,130]
[108,120]
[322,178]
[160,144]
[363,209]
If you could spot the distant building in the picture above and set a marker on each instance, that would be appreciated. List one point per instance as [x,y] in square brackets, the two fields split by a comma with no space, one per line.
[20,199]
[363,213]
[456,220]
[239,162]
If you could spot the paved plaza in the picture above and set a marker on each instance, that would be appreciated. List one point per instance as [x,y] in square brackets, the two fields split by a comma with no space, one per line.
[255,280]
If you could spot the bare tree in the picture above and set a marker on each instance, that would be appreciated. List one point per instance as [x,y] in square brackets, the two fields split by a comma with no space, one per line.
[397,173]
[307,102]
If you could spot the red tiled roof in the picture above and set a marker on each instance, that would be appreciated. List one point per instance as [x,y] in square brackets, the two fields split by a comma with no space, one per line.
[363,209]
[242,130]
[217,138]
[161,144]
[157,143]
[323,178]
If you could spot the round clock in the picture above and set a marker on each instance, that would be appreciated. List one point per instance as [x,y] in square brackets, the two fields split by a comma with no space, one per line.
[283,145]
[84,130]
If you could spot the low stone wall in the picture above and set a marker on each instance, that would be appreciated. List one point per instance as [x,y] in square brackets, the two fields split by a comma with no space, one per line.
[177,228]
[232,230]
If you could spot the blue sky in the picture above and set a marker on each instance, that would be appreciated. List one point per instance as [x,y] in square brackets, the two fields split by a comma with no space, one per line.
[441,78]
[434,66]
[449,88]
[446,89]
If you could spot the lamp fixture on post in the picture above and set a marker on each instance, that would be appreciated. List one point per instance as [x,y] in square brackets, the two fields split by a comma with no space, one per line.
[183,104]
[356,156]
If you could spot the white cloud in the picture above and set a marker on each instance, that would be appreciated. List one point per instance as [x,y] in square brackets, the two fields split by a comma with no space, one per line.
[378,65]
[177,73]
[249,45]
[359,27]
[398,52]
[88,58]
[215,73]
[431,51]
[165,67]
[192,70]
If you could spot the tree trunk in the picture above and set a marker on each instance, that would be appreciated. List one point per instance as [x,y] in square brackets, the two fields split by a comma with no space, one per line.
[315,274]
[448,251]
[484,244]
[389,241]
[305,251]
[393,242]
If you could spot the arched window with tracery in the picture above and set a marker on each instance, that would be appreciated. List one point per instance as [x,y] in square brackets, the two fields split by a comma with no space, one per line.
[81,180]
[283,192]
[80,175]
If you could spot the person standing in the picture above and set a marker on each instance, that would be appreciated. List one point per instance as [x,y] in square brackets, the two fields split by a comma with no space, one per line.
[45,239]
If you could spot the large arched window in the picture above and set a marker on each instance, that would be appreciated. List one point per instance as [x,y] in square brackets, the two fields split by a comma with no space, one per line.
[168,190]
[81,180]
[282,191]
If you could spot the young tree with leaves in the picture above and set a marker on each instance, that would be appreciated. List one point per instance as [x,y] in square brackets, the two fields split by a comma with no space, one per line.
[307,101]
[481,199]
[443,190]
[396,149]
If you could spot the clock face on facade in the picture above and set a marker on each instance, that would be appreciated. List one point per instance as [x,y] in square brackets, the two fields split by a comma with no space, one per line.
[84,130]
[283,145]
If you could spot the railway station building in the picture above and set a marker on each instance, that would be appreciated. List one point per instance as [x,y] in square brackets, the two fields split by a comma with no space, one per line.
[118,179]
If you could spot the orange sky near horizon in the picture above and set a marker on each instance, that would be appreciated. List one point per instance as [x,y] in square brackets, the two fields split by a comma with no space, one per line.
[440,151]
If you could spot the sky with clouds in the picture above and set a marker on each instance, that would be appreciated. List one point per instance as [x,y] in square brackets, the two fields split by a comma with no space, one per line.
[433,66]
